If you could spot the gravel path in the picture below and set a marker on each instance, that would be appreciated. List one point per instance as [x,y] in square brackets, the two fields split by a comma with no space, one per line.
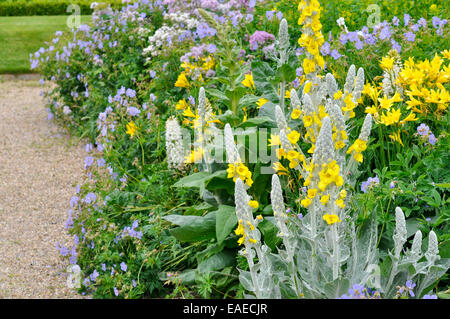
[39,166]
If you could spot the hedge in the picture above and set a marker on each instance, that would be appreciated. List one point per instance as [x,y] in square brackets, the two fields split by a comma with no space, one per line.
[47,7]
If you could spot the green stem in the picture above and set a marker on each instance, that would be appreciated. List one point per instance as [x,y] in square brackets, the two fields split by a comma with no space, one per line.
[383,154]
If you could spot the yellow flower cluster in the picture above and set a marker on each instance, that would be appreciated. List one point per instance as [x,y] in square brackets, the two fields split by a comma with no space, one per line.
[195,70]
[240,170]
[357,148]
[424,84]
[131,129]
[331,218]
[312,38]
[248,81]
[240,231]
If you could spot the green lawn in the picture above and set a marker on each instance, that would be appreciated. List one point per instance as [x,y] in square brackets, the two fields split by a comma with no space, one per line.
[20,36]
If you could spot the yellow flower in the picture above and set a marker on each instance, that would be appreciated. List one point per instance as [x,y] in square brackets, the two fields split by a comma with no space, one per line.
[182,81]
[337,95]
[188,113]
[248,81]
[293,136]
[287,94]
[387,63]
[131,128]
[309,66]
[296,114]
[343,193]
[324,200]
[391,117]
[261,102]
[259,217]
[305,202]
[307,120]
[395,136]
[446,54]
[307,87]
[340,203]
[181,104]
[331,218]
[274,140]
[240,229]
[253,204]
[312,193]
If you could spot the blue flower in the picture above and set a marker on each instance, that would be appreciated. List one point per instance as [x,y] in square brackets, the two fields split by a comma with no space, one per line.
[123,266]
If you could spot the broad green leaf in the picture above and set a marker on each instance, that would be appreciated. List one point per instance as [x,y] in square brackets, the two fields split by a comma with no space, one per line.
[193,228]
[225,222]
[193,180]
[218,261]
[269,232]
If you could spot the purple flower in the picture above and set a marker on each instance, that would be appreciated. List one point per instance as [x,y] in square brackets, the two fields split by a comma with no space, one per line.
[211,48]
[395,21]
[116,292]
[432,139]
[88,161]
[335,54]
[422,22]
[430,297]
[371,182]
[385,33]
[423,130]
[94,275]
[279,15]
[259,38]
[325,50]
[101,162]
[392,185]
[123,266]
[359,45]
[269,15]
[410,36]
[152,74]
[133,111]
[130,93]
[406,19]
[396,46]
[410,285]
[343,38]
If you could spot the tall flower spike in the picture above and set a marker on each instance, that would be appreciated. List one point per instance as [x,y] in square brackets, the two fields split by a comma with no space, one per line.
[416,248]
[307,104]
[280,118]
[279,211]
[174,144]
[336,115]
[350,80]
[400,231]
[331,84]
[324,151]
[230,146]
[201,105]
[366,128]
[295,101]
[432,253]
[285,143]
[359,85]
[283,35]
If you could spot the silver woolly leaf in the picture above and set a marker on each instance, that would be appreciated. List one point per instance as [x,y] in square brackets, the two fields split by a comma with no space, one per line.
[332,86]
[285,143]
[243,210]
[324,150]
[283,35]
[295,101]
[366,128]
[400,231]
[335,112]
[359,85]
[350,80]
[276,196]
[307,104]
[432,253]
[230,146]
[416,248]
[280,118]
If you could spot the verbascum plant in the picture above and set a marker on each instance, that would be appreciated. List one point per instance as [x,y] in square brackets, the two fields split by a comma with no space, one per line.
[260,279]
[174,145]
